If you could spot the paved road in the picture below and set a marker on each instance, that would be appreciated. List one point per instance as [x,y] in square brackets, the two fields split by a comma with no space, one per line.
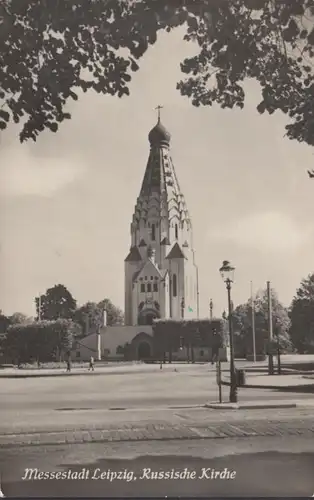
[158,388]
[259,467]
[56,403]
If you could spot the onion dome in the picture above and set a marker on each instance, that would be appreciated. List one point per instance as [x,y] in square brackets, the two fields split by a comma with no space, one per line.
[159,135]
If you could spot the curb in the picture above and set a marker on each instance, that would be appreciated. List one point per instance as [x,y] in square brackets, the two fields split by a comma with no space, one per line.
[248,406]
[71,374]
[288,388]
[233,429]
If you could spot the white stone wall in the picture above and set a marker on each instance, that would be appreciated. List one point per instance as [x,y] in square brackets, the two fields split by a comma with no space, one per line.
[111,337]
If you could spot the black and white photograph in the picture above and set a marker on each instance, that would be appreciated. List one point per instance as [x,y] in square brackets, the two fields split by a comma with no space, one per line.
[156,248]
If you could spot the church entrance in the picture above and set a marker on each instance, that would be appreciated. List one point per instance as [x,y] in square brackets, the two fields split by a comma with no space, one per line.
[147,316]
[143,351]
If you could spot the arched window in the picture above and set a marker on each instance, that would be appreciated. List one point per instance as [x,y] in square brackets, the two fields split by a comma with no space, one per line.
[142,287]
[149,287]
[153,232]
[155,287]
[174,285]
[176,231]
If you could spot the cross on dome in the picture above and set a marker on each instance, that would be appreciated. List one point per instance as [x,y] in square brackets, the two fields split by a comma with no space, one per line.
[159,107]
[159,135]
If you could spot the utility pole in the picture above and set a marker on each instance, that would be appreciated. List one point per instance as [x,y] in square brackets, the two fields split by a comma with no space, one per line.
[197,294]
[211,305]
[253,323]
[104,324]
[270,331]
[39,307]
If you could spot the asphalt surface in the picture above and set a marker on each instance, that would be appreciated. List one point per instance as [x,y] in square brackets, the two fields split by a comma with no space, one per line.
[256,467]
[136,390]
[72,403]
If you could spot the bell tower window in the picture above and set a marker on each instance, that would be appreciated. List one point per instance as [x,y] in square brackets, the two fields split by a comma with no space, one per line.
[174,285]
[153,232]
[176,231]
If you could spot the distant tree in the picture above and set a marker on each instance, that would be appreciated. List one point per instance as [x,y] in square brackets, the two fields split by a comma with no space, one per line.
[89,317]
[56,303]
[20,318]
[242,324]
[49,49]
[302,316]
[115,315]
[4,323]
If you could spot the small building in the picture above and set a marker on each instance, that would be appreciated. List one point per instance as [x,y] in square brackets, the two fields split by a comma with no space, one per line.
[136,343]
[116,343]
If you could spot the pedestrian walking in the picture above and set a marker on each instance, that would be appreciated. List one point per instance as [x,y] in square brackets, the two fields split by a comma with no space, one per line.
[1,493]
[91,364]
[68,365]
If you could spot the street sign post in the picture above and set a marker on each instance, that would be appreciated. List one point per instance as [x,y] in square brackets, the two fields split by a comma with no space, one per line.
[218,379]
[271,347]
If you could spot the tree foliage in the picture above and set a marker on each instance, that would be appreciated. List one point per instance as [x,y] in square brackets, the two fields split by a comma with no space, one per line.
[55,304]
[50,49]
[4,323]
[115,315]
[270,41]
[302,316]
[20,318]
[15,318]
[91,316]
[242,324]
[42,340]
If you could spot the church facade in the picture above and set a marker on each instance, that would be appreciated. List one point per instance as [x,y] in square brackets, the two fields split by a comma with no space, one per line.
[161,276]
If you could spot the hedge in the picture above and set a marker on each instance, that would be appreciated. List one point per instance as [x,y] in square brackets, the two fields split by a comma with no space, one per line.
[40,341]
[171,334]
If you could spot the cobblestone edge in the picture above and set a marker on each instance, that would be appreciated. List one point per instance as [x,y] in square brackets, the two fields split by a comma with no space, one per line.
[164,432]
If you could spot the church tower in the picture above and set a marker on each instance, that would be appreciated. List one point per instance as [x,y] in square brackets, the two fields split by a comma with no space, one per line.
[161,278]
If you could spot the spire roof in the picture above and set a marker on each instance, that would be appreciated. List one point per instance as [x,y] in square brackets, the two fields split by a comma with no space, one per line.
[134,255]
[165,241]
[160,195]
[176,252]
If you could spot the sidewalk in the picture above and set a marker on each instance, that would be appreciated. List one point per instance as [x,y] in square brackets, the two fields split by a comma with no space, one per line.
[102,370]
[290,382]
[163,425]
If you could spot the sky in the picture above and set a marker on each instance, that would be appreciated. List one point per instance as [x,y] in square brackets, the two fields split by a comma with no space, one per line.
[66,201]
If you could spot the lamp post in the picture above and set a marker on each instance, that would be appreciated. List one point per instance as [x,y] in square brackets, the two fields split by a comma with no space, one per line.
[182,307]
[211,305]
[227,274]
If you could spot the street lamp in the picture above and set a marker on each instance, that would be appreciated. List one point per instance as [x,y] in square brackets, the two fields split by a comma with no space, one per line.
[182,305]
[211,305]
[227,274]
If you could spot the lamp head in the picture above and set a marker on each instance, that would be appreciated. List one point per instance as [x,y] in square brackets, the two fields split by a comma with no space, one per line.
[227,272]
